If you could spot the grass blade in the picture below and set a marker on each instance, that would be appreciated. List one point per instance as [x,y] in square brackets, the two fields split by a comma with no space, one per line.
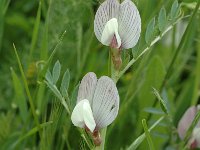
[35,31]
[148,136]
[3,8]
[31,132]
[141,138]
[27,91]
[20,96]
[197,78]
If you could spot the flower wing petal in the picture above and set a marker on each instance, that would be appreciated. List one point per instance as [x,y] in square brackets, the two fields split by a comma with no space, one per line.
[107,10]
[105,102]
[82,115]
[129,24]
[186,121]
[87,87]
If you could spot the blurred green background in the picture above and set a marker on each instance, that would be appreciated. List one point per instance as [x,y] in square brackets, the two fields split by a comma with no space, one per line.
[36,30]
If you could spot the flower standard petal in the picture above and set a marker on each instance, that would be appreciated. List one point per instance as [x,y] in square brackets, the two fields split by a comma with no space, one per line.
[82,115]
[186,121]
[107,10]
[105,102]
[129,24]
[87,87]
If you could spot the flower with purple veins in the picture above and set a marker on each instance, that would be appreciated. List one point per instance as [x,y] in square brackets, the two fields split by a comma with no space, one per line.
[97,104]
[184,125]
[118,25]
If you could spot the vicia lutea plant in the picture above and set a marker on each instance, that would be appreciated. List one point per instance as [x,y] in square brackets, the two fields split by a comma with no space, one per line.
[118,26]
[97,105]
[184,125]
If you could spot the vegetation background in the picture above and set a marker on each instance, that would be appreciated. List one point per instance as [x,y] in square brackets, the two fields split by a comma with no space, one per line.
[171,65]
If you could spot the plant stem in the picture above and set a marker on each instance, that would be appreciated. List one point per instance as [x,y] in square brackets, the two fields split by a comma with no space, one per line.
[103,137]
[140,139]
[148,48]
[112,72]
[178,50]
[115,75]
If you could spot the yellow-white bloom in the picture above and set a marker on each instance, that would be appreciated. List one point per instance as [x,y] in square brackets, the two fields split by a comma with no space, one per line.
[97,103]
[118,25]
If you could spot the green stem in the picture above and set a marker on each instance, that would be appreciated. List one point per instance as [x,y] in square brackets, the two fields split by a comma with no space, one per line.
[148,48]
[141,138]
[115,74]
[103,137]
[112,72]
[178,50]
[174,38]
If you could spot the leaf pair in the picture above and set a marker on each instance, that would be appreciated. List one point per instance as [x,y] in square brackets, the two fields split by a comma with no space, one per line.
[52,79]
[162,21]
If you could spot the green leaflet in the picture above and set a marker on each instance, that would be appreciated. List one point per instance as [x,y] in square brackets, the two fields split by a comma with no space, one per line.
[65,84]
[174,10]
[150,31]
[162,102]
[162,19]
[56,72]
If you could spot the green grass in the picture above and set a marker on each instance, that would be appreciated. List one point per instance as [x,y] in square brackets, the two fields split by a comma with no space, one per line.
[158,81]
